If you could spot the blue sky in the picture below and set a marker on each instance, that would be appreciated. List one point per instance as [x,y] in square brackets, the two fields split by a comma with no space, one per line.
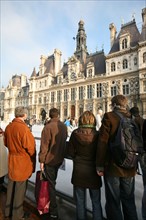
[30,29]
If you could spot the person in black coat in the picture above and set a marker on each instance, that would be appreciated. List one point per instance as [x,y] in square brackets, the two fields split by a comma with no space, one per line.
[142,126]
[82,148]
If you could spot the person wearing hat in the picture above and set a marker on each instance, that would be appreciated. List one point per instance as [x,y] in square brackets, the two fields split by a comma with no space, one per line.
[119,182]
[21,163]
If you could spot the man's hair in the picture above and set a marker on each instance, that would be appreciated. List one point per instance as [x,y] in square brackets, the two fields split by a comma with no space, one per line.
[87,118]
[134,111]
[119,101]
[53,113]
[20,111]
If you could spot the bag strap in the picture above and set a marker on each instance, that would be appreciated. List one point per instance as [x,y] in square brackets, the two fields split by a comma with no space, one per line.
[119,114]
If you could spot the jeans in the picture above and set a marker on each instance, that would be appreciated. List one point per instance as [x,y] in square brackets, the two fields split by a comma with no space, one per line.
[144,193]
[144,204]
[120,199]
[51,174]
[95,195]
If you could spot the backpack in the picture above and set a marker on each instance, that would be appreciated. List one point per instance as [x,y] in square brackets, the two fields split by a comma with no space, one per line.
[127,145]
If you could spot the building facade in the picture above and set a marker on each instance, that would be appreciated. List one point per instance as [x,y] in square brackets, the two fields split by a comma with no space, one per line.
[87,81]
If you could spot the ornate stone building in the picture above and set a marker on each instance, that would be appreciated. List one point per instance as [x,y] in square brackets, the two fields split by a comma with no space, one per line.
[16,94]
[87,81]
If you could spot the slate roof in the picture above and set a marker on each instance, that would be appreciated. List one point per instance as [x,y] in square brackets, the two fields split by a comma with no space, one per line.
[33,73]
[143,34]
[49,65]
[98,59]
[132,30]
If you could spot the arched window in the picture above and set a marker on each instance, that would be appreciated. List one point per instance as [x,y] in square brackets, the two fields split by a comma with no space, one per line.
[135,60]
[125,64]
[90,73]
[124,44]
[113,66]
[144,58]
[113,89]
[126,89]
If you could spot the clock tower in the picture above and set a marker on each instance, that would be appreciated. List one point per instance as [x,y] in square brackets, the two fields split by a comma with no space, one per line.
[81,48]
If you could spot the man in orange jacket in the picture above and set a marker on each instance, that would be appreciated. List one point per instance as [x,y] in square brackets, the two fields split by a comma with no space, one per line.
[21,162]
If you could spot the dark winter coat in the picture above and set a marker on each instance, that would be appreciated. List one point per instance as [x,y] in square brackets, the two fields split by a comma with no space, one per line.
[82,148]
[104,159]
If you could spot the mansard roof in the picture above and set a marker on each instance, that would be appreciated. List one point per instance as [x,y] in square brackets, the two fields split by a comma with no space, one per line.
[49,64]
[143,34]
[132,30]
[64,69]
[33,73]
[98,59]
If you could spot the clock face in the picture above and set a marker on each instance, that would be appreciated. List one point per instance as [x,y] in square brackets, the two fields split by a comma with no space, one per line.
[73,75]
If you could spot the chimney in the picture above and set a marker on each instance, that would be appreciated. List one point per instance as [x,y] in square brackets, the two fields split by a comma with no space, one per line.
[144,16]
[57,59]
[43,59]
[113,32]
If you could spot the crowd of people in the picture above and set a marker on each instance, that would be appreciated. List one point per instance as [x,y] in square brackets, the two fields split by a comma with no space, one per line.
[88,146]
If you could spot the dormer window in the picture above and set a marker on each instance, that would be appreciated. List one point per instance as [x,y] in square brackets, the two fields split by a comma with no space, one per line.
[90,73]
[124,44]
[124,41]
[113,66]
[144,58]
[73,75]
[59,80]
[125,64]
[90,69]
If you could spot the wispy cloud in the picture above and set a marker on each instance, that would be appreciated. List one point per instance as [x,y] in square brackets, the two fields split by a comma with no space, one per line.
[32,28]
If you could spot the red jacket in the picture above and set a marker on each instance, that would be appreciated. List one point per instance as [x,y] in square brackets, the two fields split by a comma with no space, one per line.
[21,145]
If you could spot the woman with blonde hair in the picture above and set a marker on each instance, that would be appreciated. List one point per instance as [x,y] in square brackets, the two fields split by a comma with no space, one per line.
[82,149]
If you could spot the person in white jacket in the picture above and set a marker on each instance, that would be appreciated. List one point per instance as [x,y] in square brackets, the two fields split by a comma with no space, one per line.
[98,119]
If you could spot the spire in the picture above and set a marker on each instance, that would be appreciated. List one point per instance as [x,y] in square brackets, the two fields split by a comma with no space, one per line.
[81,47]
[81,37]
[33,73]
